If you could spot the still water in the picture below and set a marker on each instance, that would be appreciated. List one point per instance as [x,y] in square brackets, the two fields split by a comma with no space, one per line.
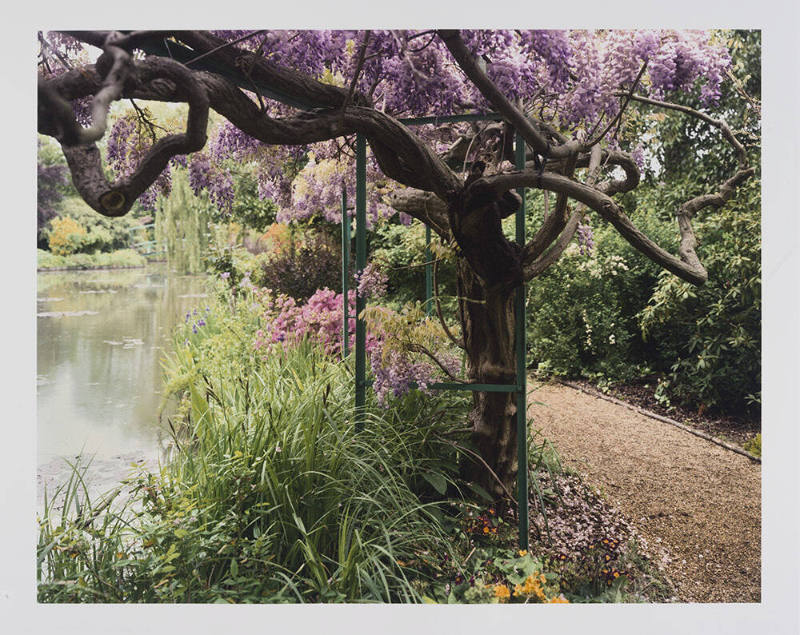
[100,338]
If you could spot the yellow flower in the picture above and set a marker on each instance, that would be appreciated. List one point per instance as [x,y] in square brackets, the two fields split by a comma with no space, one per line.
[501,592]
[531,587]
[558,599]
[523,552]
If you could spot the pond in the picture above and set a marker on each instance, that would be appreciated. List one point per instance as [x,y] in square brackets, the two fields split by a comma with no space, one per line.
[100,337]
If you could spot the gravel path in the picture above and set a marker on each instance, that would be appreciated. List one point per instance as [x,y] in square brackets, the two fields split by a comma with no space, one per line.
[700,501]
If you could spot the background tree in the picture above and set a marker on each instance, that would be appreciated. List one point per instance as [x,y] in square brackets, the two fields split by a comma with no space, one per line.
[568,94]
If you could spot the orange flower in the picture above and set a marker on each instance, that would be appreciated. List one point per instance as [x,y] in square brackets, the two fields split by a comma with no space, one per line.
[531,587]
[501,592]
[558,599]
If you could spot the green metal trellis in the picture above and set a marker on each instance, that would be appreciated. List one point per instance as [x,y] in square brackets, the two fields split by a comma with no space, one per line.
[186,55]
[520,387]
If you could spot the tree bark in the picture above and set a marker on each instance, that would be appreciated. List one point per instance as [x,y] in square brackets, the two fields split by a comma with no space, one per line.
[487,322]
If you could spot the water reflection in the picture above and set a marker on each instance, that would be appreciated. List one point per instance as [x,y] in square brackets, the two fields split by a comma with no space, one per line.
[101,335]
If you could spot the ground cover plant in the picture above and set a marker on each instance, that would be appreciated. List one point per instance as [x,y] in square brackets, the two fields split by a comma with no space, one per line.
[576,98]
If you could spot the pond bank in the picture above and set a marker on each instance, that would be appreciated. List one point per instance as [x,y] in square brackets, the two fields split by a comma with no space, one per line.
[98,267]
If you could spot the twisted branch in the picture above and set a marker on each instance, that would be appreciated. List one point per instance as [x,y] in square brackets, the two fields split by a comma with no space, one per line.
[553,224]
[465,60]
[116,65]
[400,153]
[544,261]
[83,156]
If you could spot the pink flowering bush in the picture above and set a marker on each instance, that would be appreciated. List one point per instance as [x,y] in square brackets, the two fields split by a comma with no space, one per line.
[319,319]
[394,344]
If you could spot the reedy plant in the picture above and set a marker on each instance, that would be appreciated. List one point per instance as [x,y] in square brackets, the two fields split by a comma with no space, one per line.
[269,494]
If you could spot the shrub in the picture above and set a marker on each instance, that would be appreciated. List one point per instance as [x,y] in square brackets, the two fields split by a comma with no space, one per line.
[710,337]
[309,264]
[103,234]
[582,311]
[66,236]
[120,258]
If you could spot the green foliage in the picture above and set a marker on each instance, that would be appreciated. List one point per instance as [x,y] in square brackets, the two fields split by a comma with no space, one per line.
[704,341]
[182,221]
[582,311]
[710,336]
[613,315]
[248,208]
[400,252]
[753,446]
[120,258]
[49,152]
[270,495]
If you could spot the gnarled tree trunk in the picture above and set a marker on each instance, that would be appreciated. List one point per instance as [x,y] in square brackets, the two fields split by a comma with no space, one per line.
[488,270]
[487,321]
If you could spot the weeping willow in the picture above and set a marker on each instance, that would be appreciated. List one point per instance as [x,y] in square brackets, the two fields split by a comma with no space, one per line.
[182,225]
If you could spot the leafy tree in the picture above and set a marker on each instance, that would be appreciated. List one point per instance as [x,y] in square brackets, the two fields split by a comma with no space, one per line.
[182,225]
[567,93]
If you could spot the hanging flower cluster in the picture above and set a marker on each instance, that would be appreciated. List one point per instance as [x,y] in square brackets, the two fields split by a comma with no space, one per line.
[371,281]
[128,143]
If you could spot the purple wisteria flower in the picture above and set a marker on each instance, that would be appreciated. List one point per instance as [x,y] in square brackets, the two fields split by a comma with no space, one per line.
[585,239]
[371,281]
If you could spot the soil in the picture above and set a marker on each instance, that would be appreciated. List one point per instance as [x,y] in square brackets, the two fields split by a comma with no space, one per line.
[699,501]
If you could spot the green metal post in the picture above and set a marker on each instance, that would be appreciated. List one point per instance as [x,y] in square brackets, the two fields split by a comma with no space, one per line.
[345,263]
[519,332]
[428,272]
[361,262]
